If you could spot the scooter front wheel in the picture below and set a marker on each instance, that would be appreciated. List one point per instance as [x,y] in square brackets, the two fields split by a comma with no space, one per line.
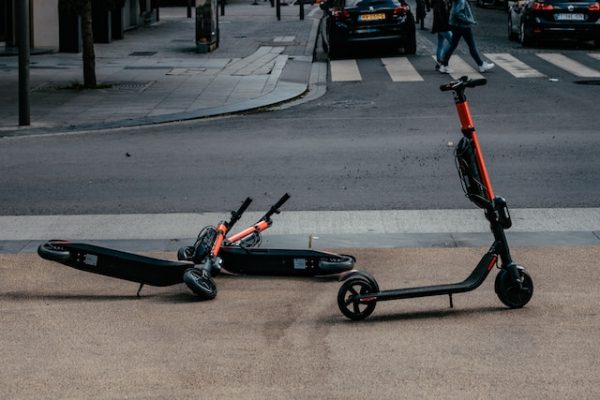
[201,283]
[349,303]
[509,293]
[52,250]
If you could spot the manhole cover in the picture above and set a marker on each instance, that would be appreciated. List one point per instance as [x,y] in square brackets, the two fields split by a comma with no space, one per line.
[131,86]
[142,53]
[589,82]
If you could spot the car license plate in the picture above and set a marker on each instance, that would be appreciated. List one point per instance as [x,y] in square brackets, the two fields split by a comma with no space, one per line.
[570,17]
[371,17]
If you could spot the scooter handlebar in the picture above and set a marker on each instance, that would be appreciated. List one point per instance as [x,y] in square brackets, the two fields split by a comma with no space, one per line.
[463,82]
[275,207]
[236,215]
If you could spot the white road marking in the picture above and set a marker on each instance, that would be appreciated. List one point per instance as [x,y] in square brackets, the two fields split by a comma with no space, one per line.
[569,65]
[344,71]
[401,70]
[461,68]
[514,66]
[594,55]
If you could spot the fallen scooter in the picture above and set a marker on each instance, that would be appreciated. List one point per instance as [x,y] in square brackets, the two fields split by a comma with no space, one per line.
[128,266]
[239,254]
[360,292]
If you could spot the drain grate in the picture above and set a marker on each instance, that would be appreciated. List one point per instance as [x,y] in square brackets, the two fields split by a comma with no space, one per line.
[142,53]
[131,86]
[589,82]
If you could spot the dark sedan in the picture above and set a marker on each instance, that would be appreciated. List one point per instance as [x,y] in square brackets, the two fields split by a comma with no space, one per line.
[367,21]
[531,20]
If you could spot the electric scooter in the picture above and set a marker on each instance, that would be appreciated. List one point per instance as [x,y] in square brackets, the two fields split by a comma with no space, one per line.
[239,253]
[360,292]
[128,266]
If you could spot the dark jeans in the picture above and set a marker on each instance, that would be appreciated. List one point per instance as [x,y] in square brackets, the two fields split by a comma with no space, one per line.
[467,34]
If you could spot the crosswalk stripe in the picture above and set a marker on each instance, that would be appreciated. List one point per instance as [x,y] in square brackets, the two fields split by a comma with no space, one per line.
[401,70]
[512,65]
[569,65]
[344,71]
[461,68]
[594,55]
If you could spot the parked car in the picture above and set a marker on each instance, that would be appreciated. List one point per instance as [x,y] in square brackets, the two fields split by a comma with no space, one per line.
[531,20]
[362,22]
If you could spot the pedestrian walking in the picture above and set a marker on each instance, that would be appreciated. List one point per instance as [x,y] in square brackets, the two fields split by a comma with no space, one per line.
[461,22]
[440,25]
[421,13]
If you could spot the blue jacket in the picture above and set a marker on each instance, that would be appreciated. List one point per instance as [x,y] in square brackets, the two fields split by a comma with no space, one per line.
[461,14]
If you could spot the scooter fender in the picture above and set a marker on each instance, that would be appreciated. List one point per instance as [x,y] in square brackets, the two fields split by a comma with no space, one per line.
[363,274]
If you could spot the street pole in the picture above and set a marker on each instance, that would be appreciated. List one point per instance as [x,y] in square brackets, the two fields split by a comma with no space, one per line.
[189,8]
[301,4]
[278,9]
[23,39]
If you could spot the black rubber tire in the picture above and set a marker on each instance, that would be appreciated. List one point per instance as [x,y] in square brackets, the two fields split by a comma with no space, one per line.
[410,43]
[508,294]
[335,265]
[352,309]
[524,35]
[52,251]
[185,253]
[511,35]
[201,283]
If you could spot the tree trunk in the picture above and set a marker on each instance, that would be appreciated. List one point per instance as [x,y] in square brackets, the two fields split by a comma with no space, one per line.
[89,57]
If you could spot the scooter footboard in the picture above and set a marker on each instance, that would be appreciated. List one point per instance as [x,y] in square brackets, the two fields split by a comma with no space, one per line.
[114,263]
[281,262]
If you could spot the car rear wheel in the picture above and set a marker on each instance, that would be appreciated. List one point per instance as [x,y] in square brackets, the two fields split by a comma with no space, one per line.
[525,35]
[511,32]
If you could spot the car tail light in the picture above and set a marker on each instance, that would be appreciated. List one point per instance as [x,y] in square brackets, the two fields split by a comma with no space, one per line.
[341,14]
[594,7]
[402,10]
[539,6]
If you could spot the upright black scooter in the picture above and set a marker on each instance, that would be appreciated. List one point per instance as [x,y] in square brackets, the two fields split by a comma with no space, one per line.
[360,292]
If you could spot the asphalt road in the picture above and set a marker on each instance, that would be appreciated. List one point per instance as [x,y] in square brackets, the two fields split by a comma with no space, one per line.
[68,334]
[368,145]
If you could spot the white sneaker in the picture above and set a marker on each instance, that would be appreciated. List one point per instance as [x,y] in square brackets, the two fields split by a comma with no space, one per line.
[486,66]
[444,69]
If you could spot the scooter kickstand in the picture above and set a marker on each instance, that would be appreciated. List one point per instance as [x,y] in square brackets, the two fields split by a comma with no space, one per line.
[451,302]
[139,290]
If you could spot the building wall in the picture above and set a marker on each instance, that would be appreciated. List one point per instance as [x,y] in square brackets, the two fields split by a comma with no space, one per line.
[45,23]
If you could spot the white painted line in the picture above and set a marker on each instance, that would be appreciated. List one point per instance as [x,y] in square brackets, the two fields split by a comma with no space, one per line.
[461,68]
[514,66]
[401,70]
[344,71]
[171,226]
[594,55]
[569,65]
[284,38]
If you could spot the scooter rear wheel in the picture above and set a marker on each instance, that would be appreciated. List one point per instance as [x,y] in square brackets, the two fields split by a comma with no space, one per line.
[509,293]
[201,283]
[185,253]
[348,302]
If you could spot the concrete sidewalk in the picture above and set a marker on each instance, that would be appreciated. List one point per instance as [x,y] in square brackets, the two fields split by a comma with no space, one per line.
[156,75]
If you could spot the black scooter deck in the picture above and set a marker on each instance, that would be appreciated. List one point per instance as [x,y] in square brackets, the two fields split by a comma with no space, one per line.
[283,262]
[115,263]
